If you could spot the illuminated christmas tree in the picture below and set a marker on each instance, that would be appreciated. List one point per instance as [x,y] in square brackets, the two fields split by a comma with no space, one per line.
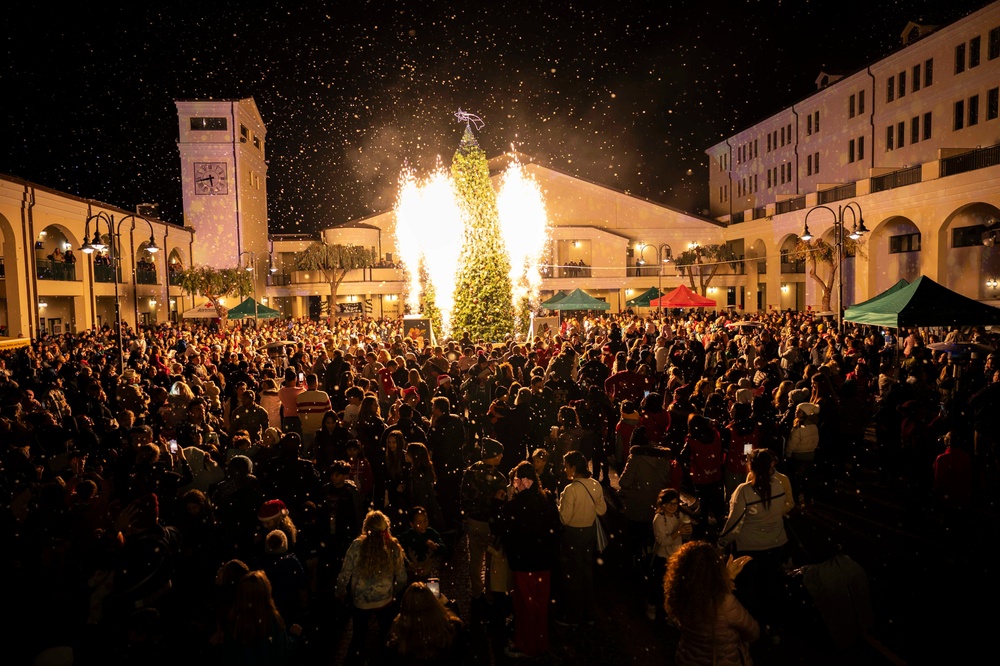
[483,291]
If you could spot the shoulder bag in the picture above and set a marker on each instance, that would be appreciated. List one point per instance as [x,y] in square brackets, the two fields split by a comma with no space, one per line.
[602,533]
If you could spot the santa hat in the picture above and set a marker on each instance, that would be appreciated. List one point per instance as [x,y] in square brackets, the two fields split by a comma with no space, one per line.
[272,509]
[443,379]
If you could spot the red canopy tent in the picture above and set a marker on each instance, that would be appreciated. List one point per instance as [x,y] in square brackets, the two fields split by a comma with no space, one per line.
[682,297]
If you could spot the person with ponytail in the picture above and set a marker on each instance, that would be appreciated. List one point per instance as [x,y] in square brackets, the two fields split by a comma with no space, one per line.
[373,573]
[756,527]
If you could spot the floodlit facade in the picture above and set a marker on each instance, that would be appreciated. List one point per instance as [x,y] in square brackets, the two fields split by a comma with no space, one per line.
[913,139]
[42,291]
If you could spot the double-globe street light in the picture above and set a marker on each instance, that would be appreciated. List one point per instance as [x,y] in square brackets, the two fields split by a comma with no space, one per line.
[858,229]
[98,244]
[663,256]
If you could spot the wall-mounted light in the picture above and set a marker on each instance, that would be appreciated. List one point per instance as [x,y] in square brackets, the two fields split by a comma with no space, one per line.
[42,304]
[628,292]
[173,301]
[992,283]
[222,301]
[67,246]
[264,300]
[712,290]
[784,288]
[42,234]
[692,245]
[576,243]
[152,302]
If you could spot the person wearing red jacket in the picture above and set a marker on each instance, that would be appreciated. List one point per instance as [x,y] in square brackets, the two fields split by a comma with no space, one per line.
[702,454]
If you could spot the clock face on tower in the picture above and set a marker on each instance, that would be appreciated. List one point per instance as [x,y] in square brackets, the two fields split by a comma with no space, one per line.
[211,178]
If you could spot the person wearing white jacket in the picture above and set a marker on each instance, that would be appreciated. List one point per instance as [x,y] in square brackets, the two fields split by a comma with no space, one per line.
[800,450]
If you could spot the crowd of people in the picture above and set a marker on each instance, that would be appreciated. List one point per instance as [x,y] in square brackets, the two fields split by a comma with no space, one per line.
[237,493]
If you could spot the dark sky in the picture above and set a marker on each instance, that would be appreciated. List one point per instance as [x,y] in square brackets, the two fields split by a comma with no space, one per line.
[627,94]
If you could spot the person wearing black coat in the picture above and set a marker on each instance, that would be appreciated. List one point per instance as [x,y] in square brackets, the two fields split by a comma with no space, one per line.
[528,530]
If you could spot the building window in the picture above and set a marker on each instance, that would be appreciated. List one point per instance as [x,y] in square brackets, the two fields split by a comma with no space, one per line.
[782,174]
[244,133]
[816,120]
[959,115]
[915,129]
[890,89]
[208,124]
[927,125]
[861,102]
[992,103]
[768,179]
[974,46]
[960,58]
[902,84]
[850,106]
[809,165]
[928,72]
[755,148]
[809,125]
[900,132]
[993,48]
[861,148]
[256,142]
[789,134]
[782,136]
[967,236]
[850,151]
[889,131]
[916,77]
[904,243]
[789,167]
[973,110]
[816,163]
[755,187]
[768,142]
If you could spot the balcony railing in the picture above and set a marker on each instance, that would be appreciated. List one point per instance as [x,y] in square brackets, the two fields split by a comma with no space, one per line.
[174,279]
[838,193]
[104,273]
[145,276]
[279,279]
[56,270]
[737,217]
[787,206]
[760,212]
[793,266]
[900,178]
[979,158]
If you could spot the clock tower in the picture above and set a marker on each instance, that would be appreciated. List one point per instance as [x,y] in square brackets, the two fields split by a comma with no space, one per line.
[223,175]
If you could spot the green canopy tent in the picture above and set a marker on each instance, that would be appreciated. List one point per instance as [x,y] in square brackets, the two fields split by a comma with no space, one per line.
[246,310]
[580,300]
[643,299]
[891,290]
[559,295]
[924,302]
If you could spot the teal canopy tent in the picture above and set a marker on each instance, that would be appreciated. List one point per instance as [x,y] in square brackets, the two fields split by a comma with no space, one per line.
[246,310]
[643,299]
[580,300]
[923,303]
[555,299]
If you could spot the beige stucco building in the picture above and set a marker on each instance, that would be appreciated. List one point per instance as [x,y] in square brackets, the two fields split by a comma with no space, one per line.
[911,141]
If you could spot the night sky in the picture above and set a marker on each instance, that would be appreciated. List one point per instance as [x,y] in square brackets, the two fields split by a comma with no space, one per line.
[626,94]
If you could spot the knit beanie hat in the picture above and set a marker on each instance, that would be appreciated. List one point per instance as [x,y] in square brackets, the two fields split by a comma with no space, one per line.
[276,542]
[491,449]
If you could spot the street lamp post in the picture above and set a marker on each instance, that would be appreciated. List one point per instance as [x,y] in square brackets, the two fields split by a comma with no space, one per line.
[663,256]
[252,269]
[114,236]
[858,229]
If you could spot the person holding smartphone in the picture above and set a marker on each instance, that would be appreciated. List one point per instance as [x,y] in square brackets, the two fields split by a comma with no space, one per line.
[290,389]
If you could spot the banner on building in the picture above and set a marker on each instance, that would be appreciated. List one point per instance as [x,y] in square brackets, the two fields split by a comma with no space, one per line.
[349,309]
